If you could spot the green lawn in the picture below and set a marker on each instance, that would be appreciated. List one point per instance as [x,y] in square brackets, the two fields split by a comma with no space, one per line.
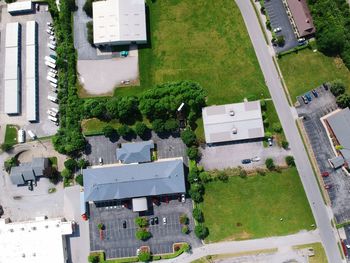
[252,207]
[320,255]
[307,69]
[212,48]
[11,135]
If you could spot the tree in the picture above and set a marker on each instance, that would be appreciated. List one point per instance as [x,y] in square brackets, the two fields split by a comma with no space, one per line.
[193,153]
[337,87]
[71,164]
[158,126]
[280,41]
[198,214]
[201,231]
[93,259]
[79,179]
[112,108]
[285,144]
[290,161]
[188,137]
[90,32]
[6,147]
[128,109]
[141,221]
[171,125]
[125,131]
[141,129]
[11,162]
[343,100]
[277,127]
[185,229]
[109,131]
[196,196]
[193,176]
[82,163]
[184,219]
[67,174]
[263,105]
[269,164]
[94,108]
[88,7]
[144,256]
[142,234]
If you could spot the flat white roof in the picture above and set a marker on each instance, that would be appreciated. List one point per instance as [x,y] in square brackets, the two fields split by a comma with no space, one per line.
[12,34]
[30,62]
[232,122]
[11,63]
[23,6]
[139,204]
[11,97]
[33,241]
[31,33]
[119,21]
[31,103]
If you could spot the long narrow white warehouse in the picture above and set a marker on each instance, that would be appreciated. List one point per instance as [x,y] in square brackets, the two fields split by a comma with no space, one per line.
[12,76]
[31,71]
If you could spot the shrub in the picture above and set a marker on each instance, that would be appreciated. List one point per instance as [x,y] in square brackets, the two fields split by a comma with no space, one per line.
[269,164]
[82,163]
[184,219]
[142,234]
[193,153]
[193,176]
[198,214]
[290,161]
[141,221]
[280,41]
[144,256]
[223,177]
[201,231]
[79,179]
[171,125]
[141,129]
[188,137]
[277,127]
[205,177]
[343,101]
[261,171]
[66,174]
[88,7]
[268,135]
[285,144]
[242,173]
[93,259]
[109,131]
[337,87]
[125,131]
[263,105]
[6,147]
[196,196]
[185,229]
[70,164]
[90,32]
[11,162]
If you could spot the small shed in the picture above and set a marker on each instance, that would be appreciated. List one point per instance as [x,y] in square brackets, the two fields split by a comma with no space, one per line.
[139,204]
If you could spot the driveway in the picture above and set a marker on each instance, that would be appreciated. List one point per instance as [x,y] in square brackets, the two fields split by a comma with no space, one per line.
[320,211]
[279,18]
[312,112]
[231,155]
[121,242]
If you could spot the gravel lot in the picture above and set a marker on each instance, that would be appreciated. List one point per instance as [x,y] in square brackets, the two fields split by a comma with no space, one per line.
[312,112]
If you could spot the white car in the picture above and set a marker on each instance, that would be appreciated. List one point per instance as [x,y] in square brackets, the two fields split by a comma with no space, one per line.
[164,220]
[54,89]
[49,32]
[49,23]
[52,42]
[53,85]
[53,47]
[53,119]
[52,38]
[51,74]
[52,98]
[51,113]
[21,136]
[54,109]
[183,198]
[269,141]
[53,70]
[31,134]
[277,29]
[256,159]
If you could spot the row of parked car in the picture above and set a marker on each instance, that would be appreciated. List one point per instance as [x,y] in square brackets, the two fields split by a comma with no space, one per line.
[307,97]
[50,62]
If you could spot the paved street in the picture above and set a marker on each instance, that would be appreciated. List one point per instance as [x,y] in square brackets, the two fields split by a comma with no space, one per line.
[320,211]
[282,243]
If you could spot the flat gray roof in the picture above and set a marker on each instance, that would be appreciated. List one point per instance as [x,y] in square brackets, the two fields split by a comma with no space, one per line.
[340,125]
[135,152]
[134,180]
[232,122]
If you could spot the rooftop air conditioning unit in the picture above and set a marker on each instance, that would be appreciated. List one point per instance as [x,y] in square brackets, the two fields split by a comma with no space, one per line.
[232,113]
[234,131]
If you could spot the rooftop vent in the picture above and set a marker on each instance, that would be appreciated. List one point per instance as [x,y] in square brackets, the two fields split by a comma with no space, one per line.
[232,113]
[234,131]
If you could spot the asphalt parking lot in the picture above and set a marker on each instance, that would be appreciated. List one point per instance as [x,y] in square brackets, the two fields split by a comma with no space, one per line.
[279,18]
[44,126]
[100,146]
[120,242]
[312,112]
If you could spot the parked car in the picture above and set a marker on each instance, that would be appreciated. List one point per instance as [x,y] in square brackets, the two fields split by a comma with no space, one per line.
[164,220]
[327,186]
[124,224]
[183,198]
[51,113]
[100,161]
[314,92]
[52,98]
[151,221]
[156,221]
[277,29]
[21,136]
[305,100]
[256,159]
[302,39]
[246,161]
[54,109]
[325,174]
[269,141]
[30,185]
[49,32]
[53,70]
[308,96]
[49,23]
[31,134]
[325,86]
[138,251]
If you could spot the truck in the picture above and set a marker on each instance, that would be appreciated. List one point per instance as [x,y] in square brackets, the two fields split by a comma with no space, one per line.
[51,79]
[50,64]
[50,59]
[53,98]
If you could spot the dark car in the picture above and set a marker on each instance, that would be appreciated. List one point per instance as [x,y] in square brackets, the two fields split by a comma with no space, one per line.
[1,211]
[308,96]
[30,185]
[151,221]
[246,161]
[325,86]
[156,220]
[315,93]
[325,174]
[124,224]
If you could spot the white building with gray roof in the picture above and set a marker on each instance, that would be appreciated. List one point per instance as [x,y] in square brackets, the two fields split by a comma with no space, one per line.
[135,152]
[25,172]
[233,122]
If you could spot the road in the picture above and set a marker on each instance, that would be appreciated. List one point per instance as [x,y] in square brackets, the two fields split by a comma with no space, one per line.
[319,209]
[281,243]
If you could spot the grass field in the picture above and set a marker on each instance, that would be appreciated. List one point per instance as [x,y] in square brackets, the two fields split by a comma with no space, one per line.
[11,135]
[320,255]
[307,70]
[212,48]
[252,207]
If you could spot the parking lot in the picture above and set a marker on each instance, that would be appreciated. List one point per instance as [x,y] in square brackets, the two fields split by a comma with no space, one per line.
[44,126]
[279,18]
[340,183]
[232,154]
[121,242]
[100,146]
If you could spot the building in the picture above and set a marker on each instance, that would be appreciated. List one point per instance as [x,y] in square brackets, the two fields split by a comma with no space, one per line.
[31,71]
[139,152]
[19,8]
[233,122]
[26,172]
[301,17]
[39,241]
[339,126]
[119,22]
[12,72]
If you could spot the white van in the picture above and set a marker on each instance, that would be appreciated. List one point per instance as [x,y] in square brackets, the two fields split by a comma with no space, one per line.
[52,98]
[53,85]
[31,134]
[53,119]
[55,110]
[51,46]
[50,59]
[49,64]
[51,79]
[21,136]
[51,74]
